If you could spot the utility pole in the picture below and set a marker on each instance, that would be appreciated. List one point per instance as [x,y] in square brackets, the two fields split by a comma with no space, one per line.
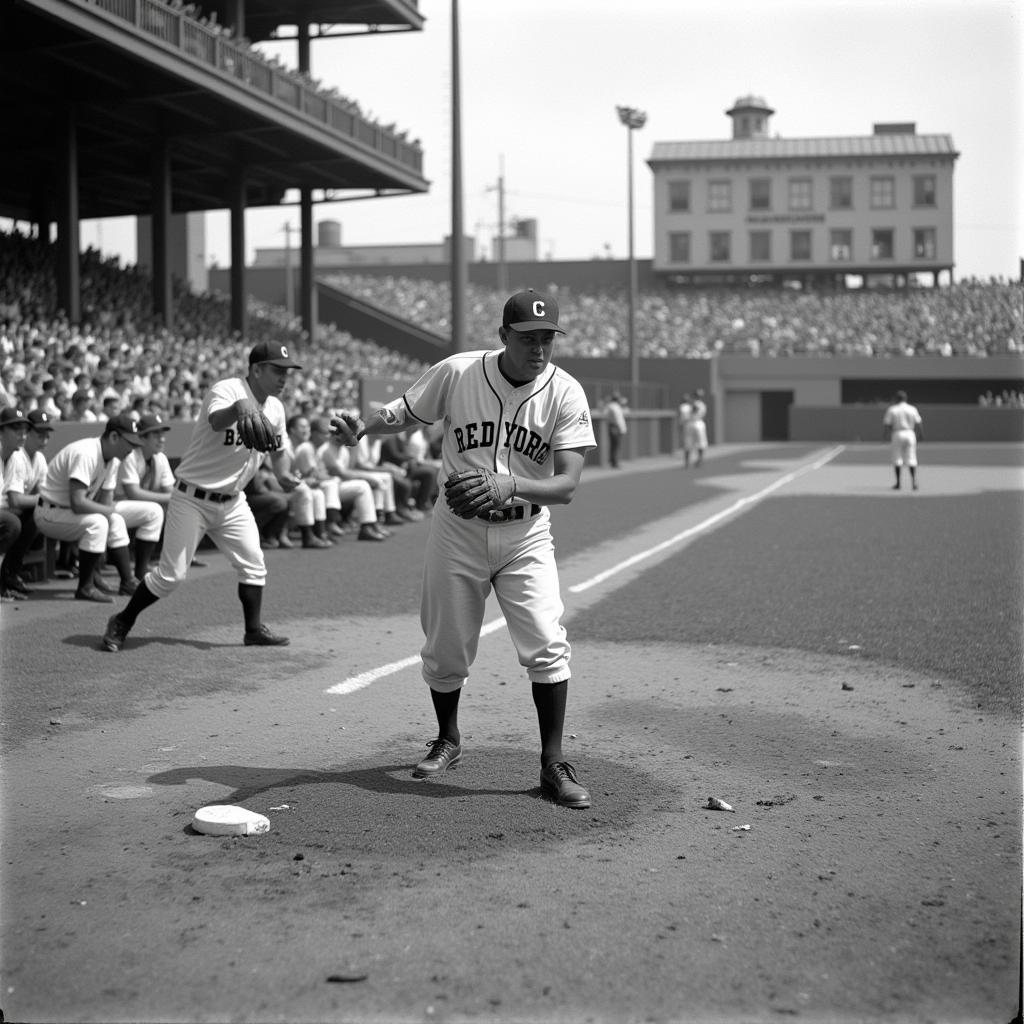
[502,265]
[632,119]
[459,273]
[289,284]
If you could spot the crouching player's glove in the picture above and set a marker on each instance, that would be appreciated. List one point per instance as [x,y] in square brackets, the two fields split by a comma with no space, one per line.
[472,491]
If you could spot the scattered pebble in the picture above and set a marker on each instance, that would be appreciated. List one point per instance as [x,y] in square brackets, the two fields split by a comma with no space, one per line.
[715,804]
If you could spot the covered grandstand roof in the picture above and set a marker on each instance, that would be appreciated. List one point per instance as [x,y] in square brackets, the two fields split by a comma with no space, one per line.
[133,77]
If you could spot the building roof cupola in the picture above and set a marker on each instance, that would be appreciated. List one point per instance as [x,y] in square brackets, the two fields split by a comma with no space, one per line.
[750,118]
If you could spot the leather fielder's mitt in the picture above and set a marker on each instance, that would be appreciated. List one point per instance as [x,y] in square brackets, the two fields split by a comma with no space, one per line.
[347,428]
[256,431]
[472,491]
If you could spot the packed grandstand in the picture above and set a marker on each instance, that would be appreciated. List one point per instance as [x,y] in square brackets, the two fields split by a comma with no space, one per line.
[119,350]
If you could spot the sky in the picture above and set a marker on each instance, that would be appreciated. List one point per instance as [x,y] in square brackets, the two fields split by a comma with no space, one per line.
[541,79]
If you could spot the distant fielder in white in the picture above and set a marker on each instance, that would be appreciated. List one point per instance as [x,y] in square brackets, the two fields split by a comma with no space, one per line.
[516,431]
[901,427]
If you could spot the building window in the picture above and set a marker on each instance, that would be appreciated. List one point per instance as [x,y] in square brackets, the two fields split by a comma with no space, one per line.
[881,244]
[840,245]
[924,243]
[801,196]
[883,193]
[924,189]
[679,196]
[760,193]
[679,246]
[760,246]
[719,196]
[840,193]
[799,245]
[720,246]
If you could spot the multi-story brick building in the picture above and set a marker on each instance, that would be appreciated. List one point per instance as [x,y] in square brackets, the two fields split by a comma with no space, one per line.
[818,211]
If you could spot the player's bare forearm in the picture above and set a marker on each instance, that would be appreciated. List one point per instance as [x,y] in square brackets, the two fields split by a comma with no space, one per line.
[558,489]
[281,464]
[377,426]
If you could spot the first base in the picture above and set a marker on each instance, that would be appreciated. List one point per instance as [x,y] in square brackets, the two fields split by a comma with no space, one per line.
[229,820]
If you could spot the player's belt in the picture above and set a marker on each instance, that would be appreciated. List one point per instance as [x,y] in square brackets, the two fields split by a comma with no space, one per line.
[507,515]
[203,495]
[51,504]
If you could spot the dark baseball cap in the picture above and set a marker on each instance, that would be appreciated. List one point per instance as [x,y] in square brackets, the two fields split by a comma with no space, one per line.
[40,421]
[531,311]
[126,426]
[11,417]
[272,352]
[151,423]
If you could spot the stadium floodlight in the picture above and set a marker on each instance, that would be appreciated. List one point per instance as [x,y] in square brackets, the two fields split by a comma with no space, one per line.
[632,119]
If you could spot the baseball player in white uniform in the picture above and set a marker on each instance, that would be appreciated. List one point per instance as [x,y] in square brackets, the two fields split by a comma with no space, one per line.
[520,428]
[22,478]
[76,503]
[695,431]
[901,427]
[208,494]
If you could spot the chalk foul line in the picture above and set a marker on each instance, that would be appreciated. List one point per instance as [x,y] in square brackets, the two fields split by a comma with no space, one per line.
[364,679]
[737,506]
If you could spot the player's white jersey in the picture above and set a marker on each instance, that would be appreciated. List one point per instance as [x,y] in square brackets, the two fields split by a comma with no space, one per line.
[216,459]
[491,424]
[24,473]
[155,475]
[901,416]
[81,460]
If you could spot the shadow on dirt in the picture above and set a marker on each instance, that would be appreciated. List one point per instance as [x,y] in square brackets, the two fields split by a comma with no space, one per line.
[490,804]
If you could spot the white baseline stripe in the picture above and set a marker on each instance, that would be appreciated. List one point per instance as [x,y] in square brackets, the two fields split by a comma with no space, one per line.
[742,503]
[364,679]
[354,683]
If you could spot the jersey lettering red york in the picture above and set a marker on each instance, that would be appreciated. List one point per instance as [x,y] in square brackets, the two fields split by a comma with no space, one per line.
[481,435]
[232,438]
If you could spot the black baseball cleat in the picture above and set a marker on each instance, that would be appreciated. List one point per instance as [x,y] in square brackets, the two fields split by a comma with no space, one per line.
[443,755]
[262,637]
[114,637]
[128,587]
[92,594]
[15,583]
[558,781]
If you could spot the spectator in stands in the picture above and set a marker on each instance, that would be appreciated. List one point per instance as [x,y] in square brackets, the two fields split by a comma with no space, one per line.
[617,427]
[145,480]
[13,428]
[24,473]
[308,507]
[270,508]
[76,503]
[364,465]
[354,492]
[81,410]
[309,461]
[416,466]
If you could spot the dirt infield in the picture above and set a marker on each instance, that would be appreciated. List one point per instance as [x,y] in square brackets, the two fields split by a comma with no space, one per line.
[879,775]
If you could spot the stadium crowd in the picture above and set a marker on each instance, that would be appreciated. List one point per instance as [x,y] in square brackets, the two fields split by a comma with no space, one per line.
[972,318]
[119,359]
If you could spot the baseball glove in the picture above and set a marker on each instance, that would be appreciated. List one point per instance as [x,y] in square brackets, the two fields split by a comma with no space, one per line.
[347,428]
[472,491]
[256,431]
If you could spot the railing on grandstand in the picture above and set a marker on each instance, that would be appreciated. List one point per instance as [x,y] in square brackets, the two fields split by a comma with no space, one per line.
[208,44]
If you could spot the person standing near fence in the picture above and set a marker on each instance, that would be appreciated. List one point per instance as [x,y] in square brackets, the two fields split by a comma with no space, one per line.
[617,428]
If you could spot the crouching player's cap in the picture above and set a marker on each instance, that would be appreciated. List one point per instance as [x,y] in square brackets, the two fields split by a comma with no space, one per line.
[531,311]
[272,352]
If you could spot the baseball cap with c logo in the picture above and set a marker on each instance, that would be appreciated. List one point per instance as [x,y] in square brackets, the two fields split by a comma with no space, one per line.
[531,311]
